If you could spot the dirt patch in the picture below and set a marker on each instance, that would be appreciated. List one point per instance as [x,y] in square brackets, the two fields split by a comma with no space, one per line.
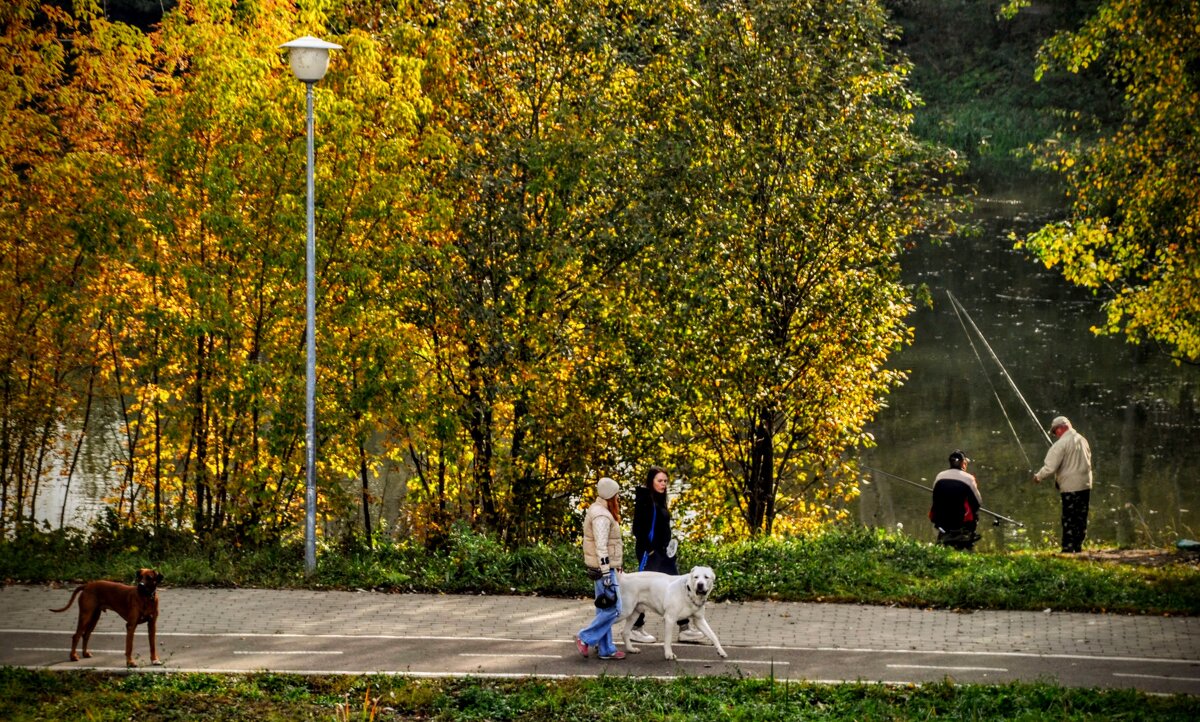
[1142,557]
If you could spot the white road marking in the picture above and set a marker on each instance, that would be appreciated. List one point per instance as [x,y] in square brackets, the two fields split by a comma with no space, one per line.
[67,650]
[602,672]
[968,653]
[953,669]
[527,640]
[288,651]
[776,662]
[530,656]
[1156,676]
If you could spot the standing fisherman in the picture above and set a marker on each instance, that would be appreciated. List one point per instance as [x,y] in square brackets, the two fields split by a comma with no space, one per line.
[1070,460]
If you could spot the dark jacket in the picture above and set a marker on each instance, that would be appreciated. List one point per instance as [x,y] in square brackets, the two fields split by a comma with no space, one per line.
[955,505]
[647,514]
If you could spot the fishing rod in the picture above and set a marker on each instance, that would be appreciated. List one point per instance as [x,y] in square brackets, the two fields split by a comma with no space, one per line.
[962,311]
[988,378]
[999,517]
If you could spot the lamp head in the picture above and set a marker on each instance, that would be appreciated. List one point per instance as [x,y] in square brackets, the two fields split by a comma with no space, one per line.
[309,57]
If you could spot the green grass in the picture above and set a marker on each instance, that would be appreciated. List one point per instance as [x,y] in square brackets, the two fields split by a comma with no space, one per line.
[40,695]
[877,567]
[843,564]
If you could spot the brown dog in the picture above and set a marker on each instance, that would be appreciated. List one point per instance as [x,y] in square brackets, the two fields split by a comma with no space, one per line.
[135,604]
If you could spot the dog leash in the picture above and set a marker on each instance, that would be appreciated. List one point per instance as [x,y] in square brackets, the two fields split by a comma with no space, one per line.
[653,523]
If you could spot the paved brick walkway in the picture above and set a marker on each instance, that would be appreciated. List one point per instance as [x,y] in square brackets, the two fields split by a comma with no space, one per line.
[770,624]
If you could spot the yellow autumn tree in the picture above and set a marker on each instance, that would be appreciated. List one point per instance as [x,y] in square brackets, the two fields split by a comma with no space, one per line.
[1133,235]
[67,95]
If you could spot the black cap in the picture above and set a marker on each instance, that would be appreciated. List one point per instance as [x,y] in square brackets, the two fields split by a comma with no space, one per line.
[957,457]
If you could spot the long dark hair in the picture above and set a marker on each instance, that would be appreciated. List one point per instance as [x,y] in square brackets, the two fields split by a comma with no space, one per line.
[659,499]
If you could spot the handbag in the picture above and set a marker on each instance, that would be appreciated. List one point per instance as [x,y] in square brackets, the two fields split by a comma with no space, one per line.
[608,595]
[608,599]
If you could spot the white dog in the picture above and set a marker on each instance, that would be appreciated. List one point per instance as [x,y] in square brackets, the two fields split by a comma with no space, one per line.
[673,597]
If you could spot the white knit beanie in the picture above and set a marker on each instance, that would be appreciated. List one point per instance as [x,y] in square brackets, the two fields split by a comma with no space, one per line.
[607,488]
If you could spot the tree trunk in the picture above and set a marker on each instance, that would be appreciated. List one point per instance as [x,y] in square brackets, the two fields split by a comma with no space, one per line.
[760,494]
[157,466]
[480,421]
[480,424]
[523,491]
[87,415]
[366,492]
[37,468]
[5,455]
[199,433]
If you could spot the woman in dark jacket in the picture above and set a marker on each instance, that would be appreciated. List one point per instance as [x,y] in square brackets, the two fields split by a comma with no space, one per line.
[652,532]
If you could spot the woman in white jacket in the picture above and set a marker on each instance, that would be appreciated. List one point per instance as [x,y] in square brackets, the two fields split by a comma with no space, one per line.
[603,554]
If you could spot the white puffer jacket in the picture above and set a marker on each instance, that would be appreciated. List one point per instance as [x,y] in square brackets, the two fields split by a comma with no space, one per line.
[601,532]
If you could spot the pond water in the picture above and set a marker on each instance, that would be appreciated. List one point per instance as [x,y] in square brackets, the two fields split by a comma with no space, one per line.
[78,500]
[1135,406]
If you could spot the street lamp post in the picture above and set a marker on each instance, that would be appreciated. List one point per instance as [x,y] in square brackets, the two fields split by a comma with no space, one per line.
[309,58]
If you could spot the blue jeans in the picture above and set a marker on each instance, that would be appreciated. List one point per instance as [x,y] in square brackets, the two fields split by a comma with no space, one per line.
[599,633]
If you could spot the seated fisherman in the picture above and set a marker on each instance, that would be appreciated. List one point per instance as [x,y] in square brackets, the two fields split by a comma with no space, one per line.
[956,501]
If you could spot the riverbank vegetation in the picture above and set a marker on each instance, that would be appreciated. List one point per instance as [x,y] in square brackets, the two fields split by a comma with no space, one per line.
[37,695]
[975,70]
[1133,235]
[1100,98]
[842,564]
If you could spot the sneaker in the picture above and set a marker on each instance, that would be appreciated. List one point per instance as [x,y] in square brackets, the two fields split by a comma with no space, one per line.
[638,635]
[583,648]
[615,655]
[692,636]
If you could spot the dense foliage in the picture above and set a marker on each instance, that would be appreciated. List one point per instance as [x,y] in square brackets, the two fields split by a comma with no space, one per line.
[785,298]
[1133,235]
[555,239]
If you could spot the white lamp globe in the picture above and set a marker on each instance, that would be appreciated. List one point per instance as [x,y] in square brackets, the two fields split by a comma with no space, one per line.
[309,57]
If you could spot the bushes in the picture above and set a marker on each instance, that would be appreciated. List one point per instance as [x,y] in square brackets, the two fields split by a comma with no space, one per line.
[844,563]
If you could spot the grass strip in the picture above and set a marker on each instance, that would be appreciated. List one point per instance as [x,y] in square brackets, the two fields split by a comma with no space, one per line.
[42,694]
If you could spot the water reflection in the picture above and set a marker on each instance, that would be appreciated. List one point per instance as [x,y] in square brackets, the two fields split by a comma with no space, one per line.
[1135,406]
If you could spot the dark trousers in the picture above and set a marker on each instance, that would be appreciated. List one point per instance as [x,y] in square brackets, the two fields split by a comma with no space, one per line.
[1074,519]
[963,538]
[641,621]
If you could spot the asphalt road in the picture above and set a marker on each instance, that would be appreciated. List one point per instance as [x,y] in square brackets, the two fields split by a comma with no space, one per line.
[242,630]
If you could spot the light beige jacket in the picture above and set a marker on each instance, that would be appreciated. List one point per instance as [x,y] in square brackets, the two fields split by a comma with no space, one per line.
[1070,459]
[601,532]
